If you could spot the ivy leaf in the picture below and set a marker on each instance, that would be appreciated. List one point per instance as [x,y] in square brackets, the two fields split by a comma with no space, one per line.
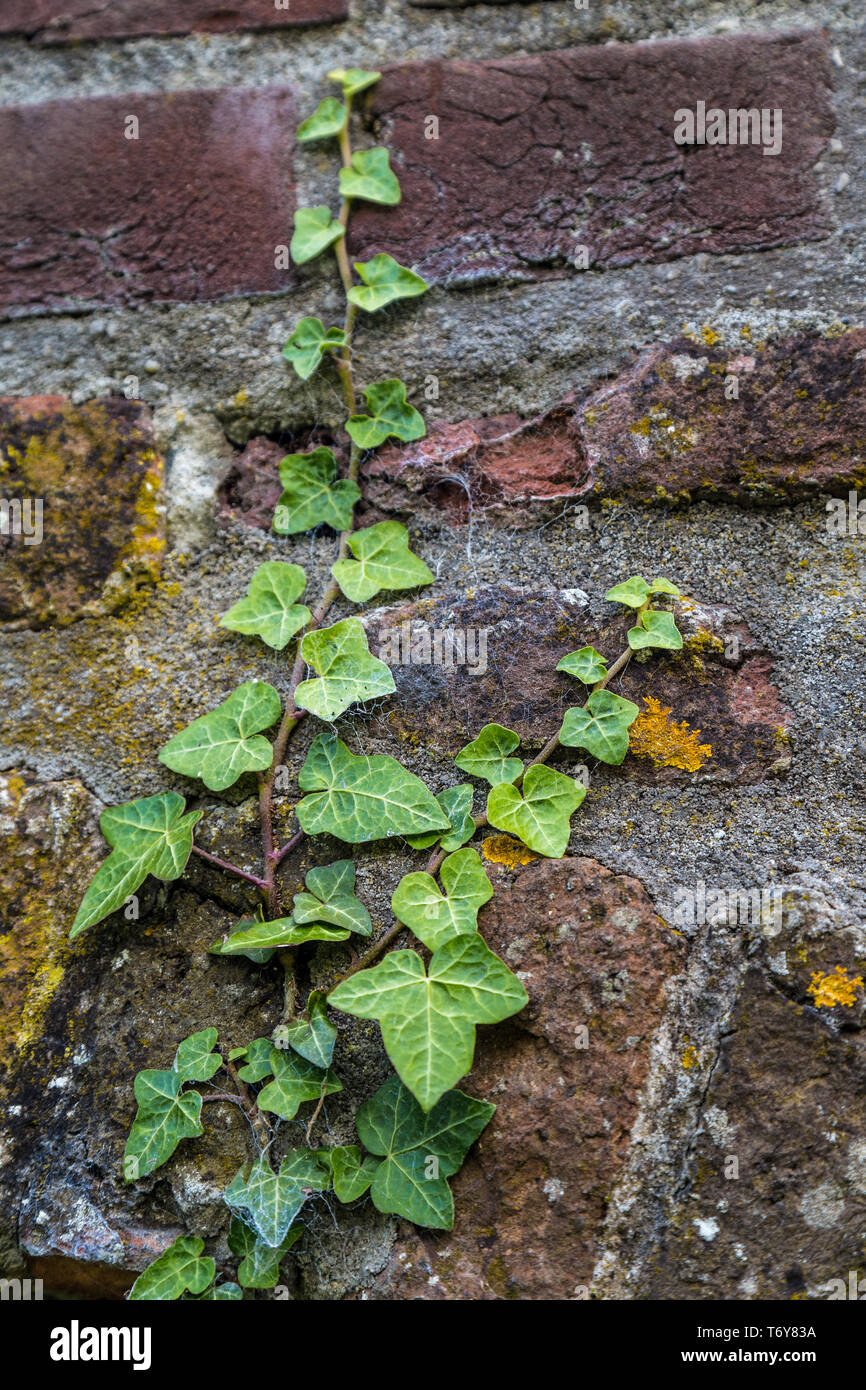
[331,898]
[273,1200]
[655,629]
[601,727]
[313,495]
[428,1019]
[419,1151]
[436,919]
[148,836]
[258,1063]
[359,798]
[390,416]
[382,560]
[541,815]
[195,1059]
[315,230]
[587,665]
[456,802]
[351,1173]
[178,1270]
[340,655]
[309,342]
[487,755]
[165,1115]
[260,957]
[384,281]
[354,80]
[664,586]
[326,121]
[269,611]
[295,1080]
[264,937]
[222,1292]
[259,1266]
[313,1038]
[370,177]
[222,745]
[632,592]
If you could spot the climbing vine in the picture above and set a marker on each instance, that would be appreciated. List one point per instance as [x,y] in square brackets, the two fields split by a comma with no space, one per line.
[415,1132]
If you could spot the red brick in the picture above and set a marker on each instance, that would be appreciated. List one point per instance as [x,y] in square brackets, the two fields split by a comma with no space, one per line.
[61,21]
[539,154]
[192,209]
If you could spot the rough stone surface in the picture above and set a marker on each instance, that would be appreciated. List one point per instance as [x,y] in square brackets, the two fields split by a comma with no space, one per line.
[89,485]
[67,21]
[190,202]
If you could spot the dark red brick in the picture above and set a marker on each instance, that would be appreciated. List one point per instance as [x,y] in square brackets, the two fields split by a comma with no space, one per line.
[61,21]
[537,155]
[192,209]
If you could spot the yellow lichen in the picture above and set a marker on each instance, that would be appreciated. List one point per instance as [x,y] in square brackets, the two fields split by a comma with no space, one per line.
[655,735]
[837,988]
[501,849]
[689,1058]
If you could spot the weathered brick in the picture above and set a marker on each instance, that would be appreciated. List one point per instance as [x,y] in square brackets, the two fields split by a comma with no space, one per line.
[537,156]
[62,21]
[191,209]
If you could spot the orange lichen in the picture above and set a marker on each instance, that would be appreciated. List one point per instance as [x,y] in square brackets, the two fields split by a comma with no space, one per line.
[655,735]
[837,988]
[501,849]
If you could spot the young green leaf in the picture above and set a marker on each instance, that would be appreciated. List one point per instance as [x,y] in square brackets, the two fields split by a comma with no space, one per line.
[313,495]
[655,629]
[315,230]
[258,1063]
[259,1266]
[390,416]
[148,836]
[384,281]
[428,1019]
[178,1270]
[295,1080]
[382,560]
[352,1174]
[260,957]
[313,1038]
[587,665]
[632,592]
[540,817]
[456,802]
[222,745]
[309,342]
[331,898]
[370,177]
[326,121]
[260,937]
[165,1115]
[349,675]
[273,1200]
[359,798]
[195,1059]
[269,611]
[220,1293]
[601,728]
[353,80]
[487,755]
[436,919]
[664,586]
[419,1151]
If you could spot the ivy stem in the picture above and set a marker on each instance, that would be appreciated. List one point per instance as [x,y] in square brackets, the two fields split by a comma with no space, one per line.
[230,868]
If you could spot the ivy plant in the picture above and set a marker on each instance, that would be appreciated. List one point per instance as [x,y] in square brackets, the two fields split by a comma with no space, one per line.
[416,1130]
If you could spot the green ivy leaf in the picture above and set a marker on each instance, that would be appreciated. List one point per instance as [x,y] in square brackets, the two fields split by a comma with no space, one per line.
[220,1293]
[195,1059]
[382,560]
[270,611]
[261,937]
[165,1115]
[370,177]
[178,1270]
[540,817]
[351,1173]
[354,80]
[436,919]
[390,416]
[259,1266]
[313,1038]
[664,586]
[273,1200]
[632,592]
[148,836]
[456,802]
[315,230]
[222,745]
[295,1080]
[655,629]
[428,1019]
[587,665]
[349,675]
[601,727]
[359,798]
[313,495]
[258,957]
[258,1063]
[309,342]
[384,281]
[326,121]
[331,898]
[419,1151]
[487,755]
